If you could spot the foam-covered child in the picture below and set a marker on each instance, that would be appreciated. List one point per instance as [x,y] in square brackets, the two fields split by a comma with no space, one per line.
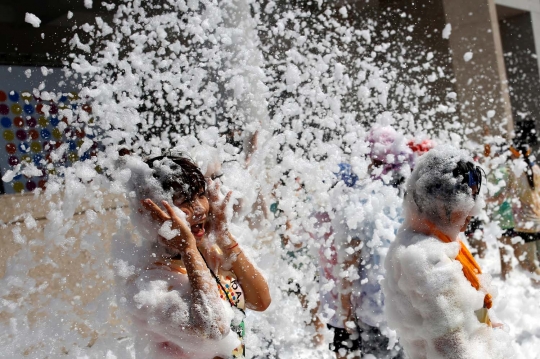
[437,298]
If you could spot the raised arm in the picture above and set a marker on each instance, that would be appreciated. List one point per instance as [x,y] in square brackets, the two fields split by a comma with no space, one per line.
[254,286]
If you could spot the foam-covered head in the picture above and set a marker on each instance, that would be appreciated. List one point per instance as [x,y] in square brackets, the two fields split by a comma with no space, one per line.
[388,146]
[169,178]
[440,188]
[178,176]
[388,149]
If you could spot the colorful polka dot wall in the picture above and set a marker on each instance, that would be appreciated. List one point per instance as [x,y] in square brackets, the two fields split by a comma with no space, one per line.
[32,128]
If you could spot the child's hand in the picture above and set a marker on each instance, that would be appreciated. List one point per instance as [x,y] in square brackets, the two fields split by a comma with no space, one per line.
[218,206]
[184,238]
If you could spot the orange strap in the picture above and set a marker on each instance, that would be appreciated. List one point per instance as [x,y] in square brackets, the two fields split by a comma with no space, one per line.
[470,266]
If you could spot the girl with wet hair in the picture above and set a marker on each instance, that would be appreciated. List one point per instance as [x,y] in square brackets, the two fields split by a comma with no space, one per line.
[187,296]
[437,298]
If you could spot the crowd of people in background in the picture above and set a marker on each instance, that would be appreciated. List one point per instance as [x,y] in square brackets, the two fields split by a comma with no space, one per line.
[356,303]
[373,259]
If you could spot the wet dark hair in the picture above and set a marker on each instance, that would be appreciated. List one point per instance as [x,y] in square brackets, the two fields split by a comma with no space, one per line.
[185,179]
[470,175]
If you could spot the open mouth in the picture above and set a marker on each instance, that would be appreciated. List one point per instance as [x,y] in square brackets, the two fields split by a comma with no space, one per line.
[198,229]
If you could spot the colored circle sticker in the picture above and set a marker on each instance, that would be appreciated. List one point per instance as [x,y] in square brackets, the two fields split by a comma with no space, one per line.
[57,134]
[30,185]
[69,132]
[87,108]
[72,145]
[31,122]
[26,158]
[6,122]
[53,110]
[26,95]
[3,96]
[46,134]
[63,98]
[72,156]
[33,134]
[8,135]
[39,108]
[28,109]
[35,147]
[24,147]
[17,177]
[18,121]
[13,160]
[18,187]
[16,109]
[55,121]
[42,184]
[4,109]
[21,135]
[11,148]
[73,96]
[37,159]
[43,122]
[14,96]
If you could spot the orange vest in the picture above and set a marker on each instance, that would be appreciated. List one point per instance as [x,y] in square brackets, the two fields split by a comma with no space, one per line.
[470,269]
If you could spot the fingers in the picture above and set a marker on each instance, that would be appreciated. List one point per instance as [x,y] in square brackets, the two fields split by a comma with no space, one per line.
[157,213]
[178,222]
[213,190]
[172,212]
[226,200]
[169,209]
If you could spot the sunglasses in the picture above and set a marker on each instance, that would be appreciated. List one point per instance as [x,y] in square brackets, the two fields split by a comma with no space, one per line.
[475,179]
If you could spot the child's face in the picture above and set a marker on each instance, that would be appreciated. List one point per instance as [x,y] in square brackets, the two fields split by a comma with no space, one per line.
[196,211]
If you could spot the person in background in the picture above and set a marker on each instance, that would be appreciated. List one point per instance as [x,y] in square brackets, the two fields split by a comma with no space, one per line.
[436,299]
[334,306]
[420,147]
[475,228]
[525,188]
[359,246]
[500,199]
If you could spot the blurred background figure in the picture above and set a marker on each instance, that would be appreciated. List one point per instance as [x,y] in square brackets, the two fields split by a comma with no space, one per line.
[335,306]
[391,157]
[363,226]
[500,202]
[475,227]
[419,147]
[525,199]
